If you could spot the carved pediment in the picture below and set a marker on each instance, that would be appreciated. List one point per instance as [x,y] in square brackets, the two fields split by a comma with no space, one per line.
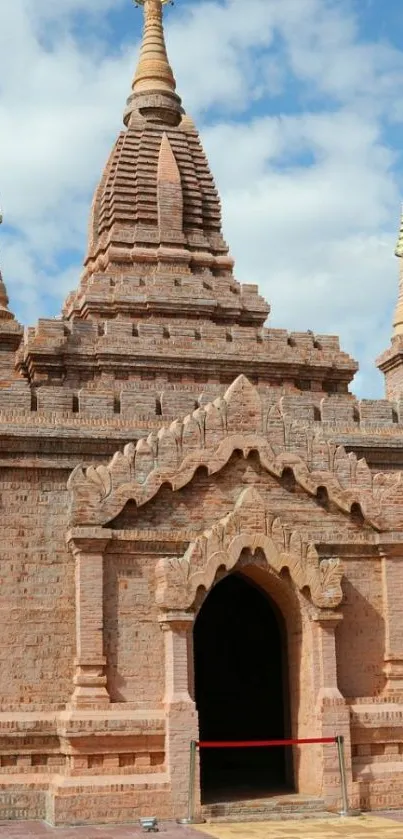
[208,437]
[248,526]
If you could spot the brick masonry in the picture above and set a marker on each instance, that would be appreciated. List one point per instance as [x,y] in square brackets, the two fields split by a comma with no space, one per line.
[154,437]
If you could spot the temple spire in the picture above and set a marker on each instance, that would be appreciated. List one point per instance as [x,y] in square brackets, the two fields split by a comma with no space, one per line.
[399,246]
[398,318]
[5,313]
[154,88]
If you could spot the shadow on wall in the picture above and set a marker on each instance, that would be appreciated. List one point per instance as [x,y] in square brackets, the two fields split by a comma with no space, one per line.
[360,636]
[170,510]
[116,579]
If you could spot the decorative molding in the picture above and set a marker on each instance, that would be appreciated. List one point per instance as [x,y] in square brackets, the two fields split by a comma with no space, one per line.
[248,526]
[208,437]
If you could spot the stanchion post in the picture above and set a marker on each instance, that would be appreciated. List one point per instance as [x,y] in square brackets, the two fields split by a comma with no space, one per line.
[192,771]
[190,818]
[339,740]
[343,775]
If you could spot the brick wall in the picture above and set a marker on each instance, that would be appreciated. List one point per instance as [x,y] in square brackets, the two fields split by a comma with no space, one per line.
[361,634]
[37,589]
[208,499]
[134,643]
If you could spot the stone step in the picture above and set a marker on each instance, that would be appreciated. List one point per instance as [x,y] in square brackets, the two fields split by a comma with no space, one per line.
[272,816]
[272,807]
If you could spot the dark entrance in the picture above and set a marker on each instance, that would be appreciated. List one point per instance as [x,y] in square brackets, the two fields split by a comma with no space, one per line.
[239,650]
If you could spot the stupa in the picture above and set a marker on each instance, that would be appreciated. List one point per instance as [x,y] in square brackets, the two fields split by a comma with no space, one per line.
[201,525]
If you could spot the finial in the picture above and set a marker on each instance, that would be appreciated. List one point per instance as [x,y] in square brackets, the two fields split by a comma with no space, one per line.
[154,86]
[138,3]
[399,246]
[5,313]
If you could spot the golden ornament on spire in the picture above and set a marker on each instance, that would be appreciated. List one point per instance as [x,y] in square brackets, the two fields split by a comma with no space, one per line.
[154,86]
[162,2]
[153,71]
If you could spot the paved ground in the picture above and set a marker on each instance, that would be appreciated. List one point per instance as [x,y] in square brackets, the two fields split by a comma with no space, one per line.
[39,830]
[361,827]
[389,826]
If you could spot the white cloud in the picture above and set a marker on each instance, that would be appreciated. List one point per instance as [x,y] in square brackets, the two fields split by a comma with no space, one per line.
[317,238]
[309,196]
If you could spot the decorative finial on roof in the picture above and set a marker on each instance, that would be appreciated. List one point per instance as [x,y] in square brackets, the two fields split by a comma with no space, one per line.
[5,313]
[399,246]
[154,86]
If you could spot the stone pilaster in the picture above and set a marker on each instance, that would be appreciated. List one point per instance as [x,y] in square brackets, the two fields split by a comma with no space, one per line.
[332,712]
[325,626]
[181,715]
[89,678]
[392,583]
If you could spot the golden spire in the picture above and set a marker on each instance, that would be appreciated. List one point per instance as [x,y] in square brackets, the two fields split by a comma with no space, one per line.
[153,70]
[153,88]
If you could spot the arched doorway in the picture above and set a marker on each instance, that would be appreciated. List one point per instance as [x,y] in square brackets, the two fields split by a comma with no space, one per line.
[241,690]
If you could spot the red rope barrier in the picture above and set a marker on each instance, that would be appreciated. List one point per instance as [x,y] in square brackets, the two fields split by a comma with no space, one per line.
[210,744]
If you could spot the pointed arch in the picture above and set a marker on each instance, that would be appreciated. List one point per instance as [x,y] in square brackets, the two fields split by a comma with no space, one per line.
[248,526]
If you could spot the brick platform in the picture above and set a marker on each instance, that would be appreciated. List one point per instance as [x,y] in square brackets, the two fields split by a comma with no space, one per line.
[366,827]
[156,438]
[40,830]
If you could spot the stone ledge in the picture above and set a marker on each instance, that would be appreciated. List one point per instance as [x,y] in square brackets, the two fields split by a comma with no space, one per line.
[388,715]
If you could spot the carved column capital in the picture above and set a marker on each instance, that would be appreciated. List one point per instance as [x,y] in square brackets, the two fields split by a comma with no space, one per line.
[87,540]
[176,621]
[327,619]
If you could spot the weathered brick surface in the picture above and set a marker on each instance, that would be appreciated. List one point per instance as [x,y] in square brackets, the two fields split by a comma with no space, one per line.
[37,589]
[155,437]
[134,644]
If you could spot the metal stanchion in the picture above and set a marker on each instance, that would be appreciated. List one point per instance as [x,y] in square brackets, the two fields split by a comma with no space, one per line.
[346,809]
[339,740]
[343,775]
[190,818]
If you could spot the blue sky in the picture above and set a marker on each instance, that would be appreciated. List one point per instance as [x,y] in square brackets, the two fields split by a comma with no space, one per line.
[300,111]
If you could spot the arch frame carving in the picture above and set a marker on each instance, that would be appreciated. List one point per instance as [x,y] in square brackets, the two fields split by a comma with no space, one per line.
[248,526]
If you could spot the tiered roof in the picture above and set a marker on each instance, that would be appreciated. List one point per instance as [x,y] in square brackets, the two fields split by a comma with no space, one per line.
[157,265]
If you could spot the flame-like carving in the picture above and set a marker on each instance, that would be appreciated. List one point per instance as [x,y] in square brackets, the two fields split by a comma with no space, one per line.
[247,527]
[208,437]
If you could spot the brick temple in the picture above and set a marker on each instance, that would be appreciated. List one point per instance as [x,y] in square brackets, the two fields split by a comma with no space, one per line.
[201,527]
